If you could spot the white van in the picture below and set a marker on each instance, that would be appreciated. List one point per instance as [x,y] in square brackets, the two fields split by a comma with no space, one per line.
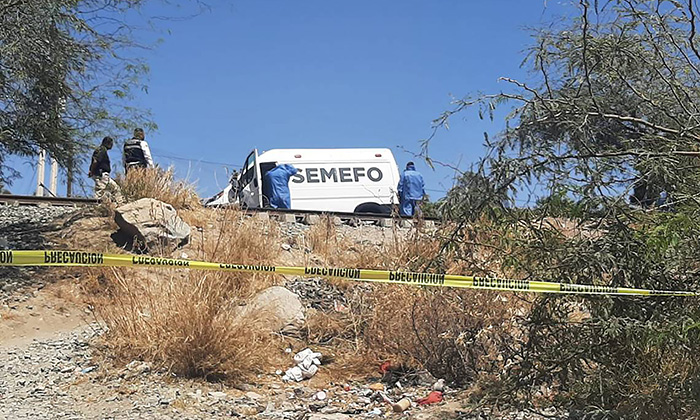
[336,180]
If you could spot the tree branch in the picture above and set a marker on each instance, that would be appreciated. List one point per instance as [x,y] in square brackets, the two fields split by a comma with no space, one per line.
[646,124]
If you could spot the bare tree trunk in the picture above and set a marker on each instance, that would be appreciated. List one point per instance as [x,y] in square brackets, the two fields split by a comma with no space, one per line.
[69,178]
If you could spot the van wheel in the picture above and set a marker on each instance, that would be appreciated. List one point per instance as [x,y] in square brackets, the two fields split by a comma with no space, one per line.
[372,208]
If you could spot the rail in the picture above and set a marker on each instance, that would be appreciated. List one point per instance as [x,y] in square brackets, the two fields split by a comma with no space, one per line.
[288,214]
[33,200]
[341,215]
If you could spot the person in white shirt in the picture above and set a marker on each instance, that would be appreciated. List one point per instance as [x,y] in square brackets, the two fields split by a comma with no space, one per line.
[137,154]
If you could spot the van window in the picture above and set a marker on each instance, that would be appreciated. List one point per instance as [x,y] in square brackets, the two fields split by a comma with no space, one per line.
[248,173]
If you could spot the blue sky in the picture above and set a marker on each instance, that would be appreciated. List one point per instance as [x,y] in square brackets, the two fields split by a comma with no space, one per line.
[280,74]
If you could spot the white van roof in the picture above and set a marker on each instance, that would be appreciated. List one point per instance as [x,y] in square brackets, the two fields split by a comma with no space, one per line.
[325,155]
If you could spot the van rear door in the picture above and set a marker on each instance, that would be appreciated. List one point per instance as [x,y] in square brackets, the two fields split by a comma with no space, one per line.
[250,184]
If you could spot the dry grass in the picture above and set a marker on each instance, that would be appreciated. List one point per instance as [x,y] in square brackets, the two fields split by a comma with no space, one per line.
[159,184]
[228,236]
[396,250]
[322,237]
[457,335]
[460,335]
[186,321]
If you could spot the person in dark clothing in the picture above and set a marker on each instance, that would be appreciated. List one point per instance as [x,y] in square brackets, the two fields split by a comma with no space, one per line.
[235,186]
[137,154]
[411,190]
[100,158]
[276,186]
[99,172]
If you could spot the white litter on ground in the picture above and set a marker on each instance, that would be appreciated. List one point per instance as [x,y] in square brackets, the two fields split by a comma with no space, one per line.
[307,365]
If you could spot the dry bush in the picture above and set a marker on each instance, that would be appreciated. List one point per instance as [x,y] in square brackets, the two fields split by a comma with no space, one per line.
[467,337]
[397,250]
[159,184]
[415,251]
[186,321]
[322,237]
[342,328]
[229,236]
[458,335]
[464,336]
[329,328]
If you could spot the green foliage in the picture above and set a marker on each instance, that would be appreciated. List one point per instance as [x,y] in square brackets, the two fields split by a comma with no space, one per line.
[561,203]
[473,193]
[68,71]
[431,208]
[613,101]
[629,357]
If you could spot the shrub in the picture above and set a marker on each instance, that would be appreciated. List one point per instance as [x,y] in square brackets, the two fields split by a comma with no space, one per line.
[632,356]
[458,335]
[159,184]
[186,321]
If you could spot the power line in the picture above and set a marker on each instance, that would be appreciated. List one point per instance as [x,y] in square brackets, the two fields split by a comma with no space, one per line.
[434,190]
[196,160]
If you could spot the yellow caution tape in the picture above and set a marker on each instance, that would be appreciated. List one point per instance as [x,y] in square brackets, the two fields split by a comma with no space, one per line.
[95,259]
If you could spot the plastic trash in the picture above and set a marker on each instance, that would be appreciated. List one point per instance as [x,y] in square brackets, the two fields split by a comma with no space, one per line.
[307,362]
[432,398]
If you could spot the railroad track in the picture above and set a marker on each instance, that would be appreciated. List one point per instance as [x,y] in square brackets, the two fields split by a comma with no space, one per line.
[311,216]
[290,215]
[32,200]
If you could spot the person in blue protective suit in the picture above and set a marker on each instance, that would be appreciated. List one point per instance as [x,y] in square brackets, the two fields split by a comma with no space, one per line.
[411,190]
[276,186]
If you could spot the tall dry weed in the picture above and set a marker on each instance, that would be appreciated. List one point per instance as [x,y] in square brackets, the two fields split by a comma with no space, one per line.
[188,321]
[459,335]
[229,236]
[393,250]
[323,238]
[159,184]
[185,322]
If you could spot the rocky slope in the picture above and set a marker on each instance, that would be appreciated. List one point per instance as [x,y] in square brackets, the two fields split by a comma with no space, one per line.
[63,374]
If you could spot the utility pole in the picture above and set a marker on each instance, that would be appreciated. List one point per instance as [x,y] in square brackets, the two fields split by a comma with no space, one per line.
[69,163]
[54,177]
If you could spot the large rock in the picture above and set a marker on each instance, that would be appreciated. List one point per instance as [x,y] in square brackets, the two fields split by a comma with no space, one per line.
[279,308]
[153,223]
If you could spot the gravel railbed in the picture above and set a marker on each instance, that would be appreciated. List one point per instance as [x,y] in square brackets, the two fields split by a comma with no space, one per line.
[21,227]
[24,227]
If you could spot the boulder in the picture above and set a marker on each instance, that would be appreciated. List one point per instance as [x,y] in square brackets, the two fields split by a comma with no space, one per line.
[280,309]
[154,224]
